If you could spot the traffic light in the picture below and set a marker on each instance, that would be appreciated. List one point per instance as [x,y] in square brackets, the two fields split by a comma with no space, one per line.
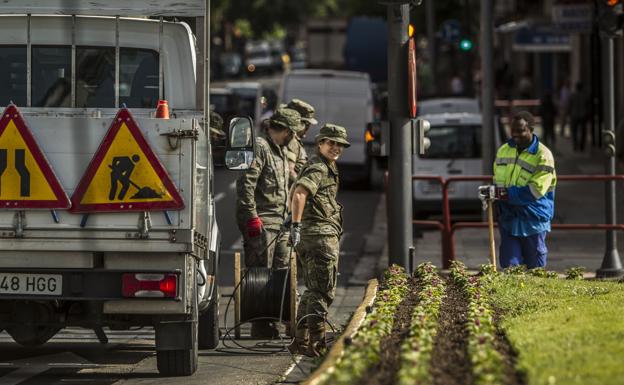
[421,142]
[465,44]
[610,16]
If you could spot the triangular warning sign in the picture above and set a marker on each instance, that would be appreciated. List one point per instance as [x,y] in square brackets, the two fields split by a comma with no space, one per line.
[26,178]
[125,174]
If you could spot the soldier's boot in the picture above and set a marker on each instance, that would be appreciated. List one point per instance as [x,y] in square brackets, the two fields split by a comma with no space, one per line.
[317,345]
[299,345]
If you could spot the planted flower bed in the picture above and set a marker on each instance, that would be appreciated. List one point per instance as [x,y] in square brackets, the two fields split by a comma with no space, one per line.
[425,329]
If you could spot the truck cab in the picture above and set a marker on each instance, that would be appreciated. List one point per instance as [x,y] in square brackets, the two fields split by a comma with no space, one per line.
[73,80]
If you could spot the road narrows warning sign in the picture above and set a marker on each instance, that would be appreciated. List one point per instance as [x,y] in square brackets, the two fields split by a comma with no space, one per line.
[26,178]
[125,174]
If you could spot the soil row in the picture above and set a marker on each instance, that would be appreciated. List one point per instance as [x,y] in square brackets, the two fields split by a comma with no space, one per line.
[428,331]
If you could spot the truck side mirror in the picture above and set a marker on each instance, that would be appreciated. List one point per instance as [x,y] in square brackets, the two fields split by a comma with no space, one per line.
[241,145]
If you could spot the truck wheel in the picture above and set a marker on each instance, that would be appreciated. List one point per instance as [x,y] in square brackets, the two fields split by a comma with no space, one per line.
[181,362]
[209,324]
[27,334]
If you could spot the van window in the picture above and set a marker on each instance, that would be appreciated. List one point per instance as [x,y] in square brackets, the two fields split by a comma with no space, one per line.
[95,76]
[13,75]
[51,76]
[454,142]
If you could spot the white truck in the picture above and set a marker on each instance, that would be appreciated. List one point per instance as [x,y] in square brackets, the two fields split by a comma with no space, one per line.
[139,245]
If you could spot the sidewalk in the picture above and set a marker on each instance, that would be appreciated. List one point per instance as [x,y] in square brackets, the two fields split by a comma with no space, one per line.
[575,202]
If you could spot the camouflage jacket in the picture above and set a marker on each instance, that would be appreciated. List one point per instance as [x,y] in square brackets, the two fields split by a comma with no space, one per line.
[297,156]
[322,214]
[262,191]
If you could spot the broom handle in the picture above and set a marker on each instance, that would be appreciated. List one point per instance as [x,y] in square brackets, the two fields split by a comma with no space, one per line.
[491,233]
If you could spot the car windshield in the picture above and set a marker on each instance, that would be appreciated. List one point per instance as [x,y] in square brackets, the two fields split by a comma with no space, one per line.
[454,142]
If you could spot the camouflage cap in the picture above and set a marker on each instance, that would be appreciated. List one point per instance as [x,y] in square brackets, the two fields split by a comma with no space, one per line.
[287,118]
[333,132]
[305,109]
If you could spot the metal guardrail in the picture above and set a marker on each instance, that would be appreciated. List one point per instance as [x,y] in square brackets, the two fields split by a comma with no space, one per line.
[448,228]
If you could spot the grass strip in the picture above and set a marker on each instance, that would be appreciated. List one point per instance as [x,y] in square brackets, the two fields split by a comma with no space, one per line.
[417,347]
[564,331]
[364,349]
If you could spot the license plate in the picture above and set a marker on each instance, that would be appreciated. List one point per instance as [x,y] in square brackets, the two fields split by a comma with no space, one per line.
[31,284]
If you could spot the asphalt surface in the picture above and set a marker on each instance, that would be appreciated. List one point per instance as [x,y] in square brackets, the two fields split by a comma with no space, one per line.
[75,356]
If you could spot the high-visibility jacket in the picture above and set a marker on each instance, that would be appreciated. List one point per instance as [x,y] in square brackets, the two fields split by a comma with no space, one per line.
[530,178]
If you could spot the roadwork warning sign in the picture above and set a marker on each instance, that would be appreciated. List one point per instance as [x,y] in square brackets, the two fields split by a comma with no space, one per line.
[125,174]
[26,178]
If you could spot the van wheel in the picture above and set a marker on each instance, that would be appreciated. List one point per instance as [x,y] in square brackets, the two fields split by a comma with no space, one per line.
[209,324]
[181,362]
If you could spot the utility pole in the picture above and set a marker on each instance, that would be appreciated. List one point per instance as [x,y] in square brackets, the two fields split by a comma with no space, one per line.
[611,263]
[400,157]
[487,85]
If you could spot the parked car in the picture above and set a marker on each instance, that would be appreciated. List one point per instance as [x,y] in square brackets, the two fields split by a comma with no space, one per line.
[253,99]
[455,150]
[339,97]
[258,58]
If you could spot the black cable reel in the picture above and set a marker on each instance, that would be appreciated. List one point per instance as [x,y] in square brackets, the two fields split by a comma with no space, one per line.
[265,293]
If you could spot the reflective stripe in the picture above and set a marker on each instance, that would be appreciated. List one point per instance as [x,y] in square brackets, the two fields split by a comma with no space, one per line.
[535,191]
[545,168]
[502,161]
[526,165]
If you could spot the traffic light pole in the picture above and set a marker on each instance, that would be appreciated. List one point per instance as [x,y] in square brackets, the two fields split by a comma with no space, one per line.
[487,85]
[611,263]
[400,157]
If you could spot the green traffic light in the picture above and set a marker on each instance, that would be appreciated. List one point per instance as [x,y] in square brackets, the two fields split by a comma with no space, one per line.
[465,44]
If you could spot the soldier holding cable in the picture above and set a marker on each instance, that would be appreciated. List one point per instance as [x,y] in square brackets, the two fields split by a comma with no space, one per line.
[315,233]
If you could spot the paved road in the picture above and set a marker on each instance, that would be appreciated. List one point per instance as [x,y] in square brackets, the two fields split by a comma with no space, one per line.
[75,357]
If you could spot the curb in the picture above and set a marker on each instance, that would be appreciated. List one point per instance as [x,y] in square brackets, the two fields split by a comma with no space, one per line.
[337,349]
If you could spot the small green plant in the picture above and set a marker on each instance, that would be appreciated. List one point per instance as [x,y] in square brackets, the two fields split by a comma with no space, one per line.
[516,270]
[487,269]
[543,273]
[575,273]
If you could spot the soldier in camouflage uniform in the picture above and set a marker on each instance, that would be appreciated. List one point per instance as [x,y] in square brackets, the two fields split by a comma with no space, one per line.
[315,231]
[262,201]
[297,155]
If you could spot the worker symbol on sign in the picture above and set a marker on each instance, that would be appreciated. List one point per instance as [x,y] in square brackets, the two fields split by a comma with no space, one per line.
[121,170]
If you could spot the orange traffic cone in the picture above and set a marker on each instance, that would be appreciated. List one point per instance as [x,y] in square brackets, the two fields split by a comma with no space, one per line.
[162,110]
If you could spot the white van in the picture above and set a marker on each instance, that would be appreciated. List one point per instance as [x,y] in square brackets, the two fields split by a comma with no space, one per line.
[340,97]
[455,150]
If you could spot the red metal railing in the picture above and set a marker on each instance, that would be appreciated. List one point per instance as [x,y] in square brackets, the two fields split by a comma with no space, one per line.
[447,228]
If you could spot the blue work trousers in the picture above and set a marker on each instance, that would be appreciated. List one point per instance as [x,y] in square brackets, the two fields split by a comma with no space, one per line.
[530,250]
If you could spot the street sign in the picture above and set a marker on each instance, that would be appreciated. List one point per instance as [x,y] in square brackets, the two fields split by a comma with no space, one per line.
[450,31]
[573,17]
[26,178]
[125,174]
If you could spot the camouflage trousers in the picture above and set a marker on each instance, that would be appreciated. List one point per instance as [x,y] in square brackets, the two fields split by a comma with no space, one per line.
[318,255]
[275,256]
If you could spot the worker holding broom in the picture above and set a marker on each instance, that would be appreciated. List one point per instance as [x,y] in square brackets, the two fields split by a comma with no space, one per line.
[525,180]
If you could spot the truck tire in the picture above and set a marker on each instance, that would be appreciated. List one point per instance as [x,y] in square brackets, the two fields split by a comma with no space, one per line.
[181,362]
[27,334]
[209,324]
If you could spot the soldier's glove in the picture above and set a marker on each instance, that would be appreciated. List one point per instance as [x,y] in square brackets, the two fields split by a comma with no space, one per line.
[295,234]
[254,227]
[287,223]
